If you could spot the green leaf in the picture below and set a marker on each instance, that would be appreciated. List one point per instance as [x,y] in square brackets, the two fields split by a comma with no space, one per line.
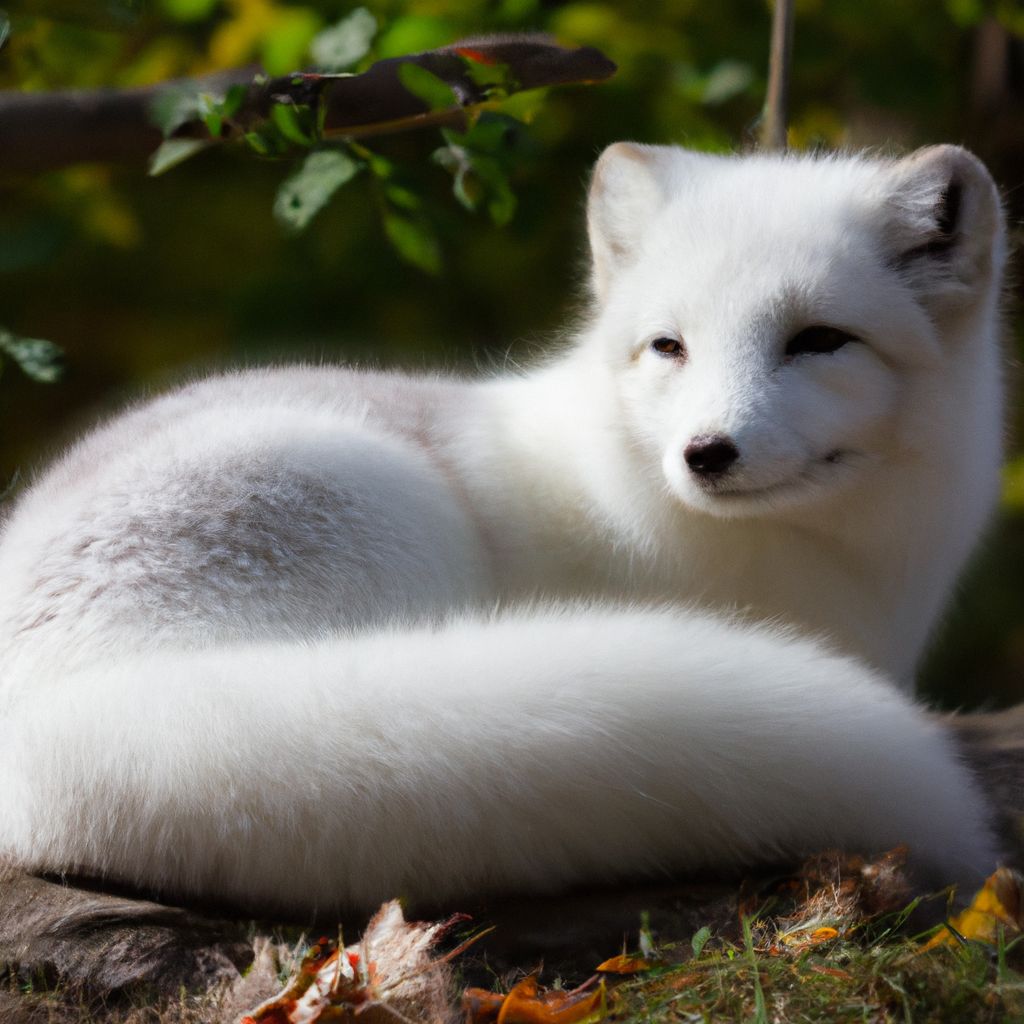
[259,142]
[233,99]
[213,111]
[524,106]
[307,191]
[425,85]
[414,241]
[466,186]
[174,106]
[700,940]
[402,197]
[294,123]
[178,105]
[490,133]
[760,1006]
[38,359]
[477,176]
[172,152]
[5,27]
[502,205]
[343,44]
[492,78]
[726,79]
[380,166]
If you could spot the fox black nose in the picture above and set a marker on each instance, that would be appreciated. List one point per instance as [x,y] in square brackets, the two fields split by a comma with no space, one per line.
[710,454]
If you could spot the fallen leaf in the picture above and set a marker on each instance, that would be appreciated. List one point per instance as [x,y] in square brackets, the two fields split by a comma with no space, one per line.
[799,939]
[390,970]
[996,907]
[527,1003]
[624,964]
[480,1006]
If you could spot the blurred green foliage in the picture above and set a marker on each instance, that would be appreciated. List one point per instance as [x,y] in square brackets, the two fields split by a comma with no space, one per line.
[144,280]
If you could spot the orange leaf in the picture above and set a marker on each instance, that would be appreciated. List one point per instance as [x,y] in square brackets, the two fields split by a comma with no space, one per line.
[824,935]
[481,1006]
[624,965]
[527,1004]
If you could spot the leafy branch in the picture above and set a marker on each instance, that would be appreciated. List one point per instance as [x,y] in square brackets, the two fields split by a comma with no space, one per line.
[325,113]
[38,359]
[47,130]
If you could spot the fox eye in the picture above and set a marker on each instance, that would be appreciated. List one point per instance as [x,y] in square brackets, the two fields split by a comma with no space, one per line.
[669,347]
[818,339]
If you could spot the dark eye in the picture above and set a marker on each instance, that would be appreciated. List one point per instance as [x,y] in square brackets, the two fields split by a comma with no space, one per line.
[668,347]
[818,339]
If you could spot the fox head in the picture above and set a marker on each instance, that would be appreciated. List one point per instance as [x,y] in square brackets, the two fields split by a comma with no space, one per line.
[770,320]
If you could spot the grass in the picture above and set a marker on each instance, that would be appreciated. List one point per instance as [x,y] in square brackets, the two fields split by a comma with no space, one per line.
[887,979]
[893,982]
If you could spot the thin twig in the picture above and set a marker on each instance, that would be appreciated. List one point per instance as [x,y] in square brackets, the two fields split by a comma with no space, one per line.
[774,118]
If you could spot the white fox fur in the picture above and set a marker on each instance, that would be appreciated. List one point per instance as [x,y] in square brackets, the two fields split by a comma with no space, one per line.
[311,637]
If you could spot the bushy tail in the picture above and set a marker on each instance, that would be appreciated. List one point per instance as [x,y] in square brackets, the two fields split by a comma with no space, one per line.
[533,750]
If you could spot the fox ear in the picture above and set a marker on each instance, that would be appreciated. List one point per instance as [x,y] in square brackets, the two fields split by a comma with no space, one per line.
[946,226]
[626,191]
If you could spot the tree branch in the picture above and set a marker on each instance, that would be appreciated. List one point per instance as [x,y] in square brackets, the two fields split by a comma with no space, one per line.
[45,131]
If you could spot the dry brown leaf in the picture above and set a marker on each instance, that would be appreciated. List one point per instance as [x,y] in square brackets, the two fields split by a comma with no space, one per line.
[390,975]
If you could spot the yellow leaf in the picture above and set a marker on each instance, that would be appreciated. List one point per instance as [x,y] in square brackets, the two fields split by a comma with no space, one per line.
[996,907]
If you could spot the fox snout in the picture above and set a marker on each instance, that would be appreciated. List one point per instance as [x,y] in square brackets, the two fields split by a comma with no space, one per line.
[710,455]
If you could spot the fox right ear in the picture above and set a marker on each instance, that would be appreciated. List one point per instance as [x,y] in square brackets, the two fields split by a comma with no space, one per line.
[625,193]
[945,224]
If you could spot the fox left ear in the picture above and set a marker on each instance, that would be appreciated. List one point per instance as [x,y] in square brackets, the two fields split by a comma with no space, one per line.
[626,190]
[945,230]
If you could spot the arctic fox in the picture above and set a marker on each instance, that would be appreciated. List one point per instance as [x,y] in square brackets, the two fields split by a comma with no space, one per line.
[308,638]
